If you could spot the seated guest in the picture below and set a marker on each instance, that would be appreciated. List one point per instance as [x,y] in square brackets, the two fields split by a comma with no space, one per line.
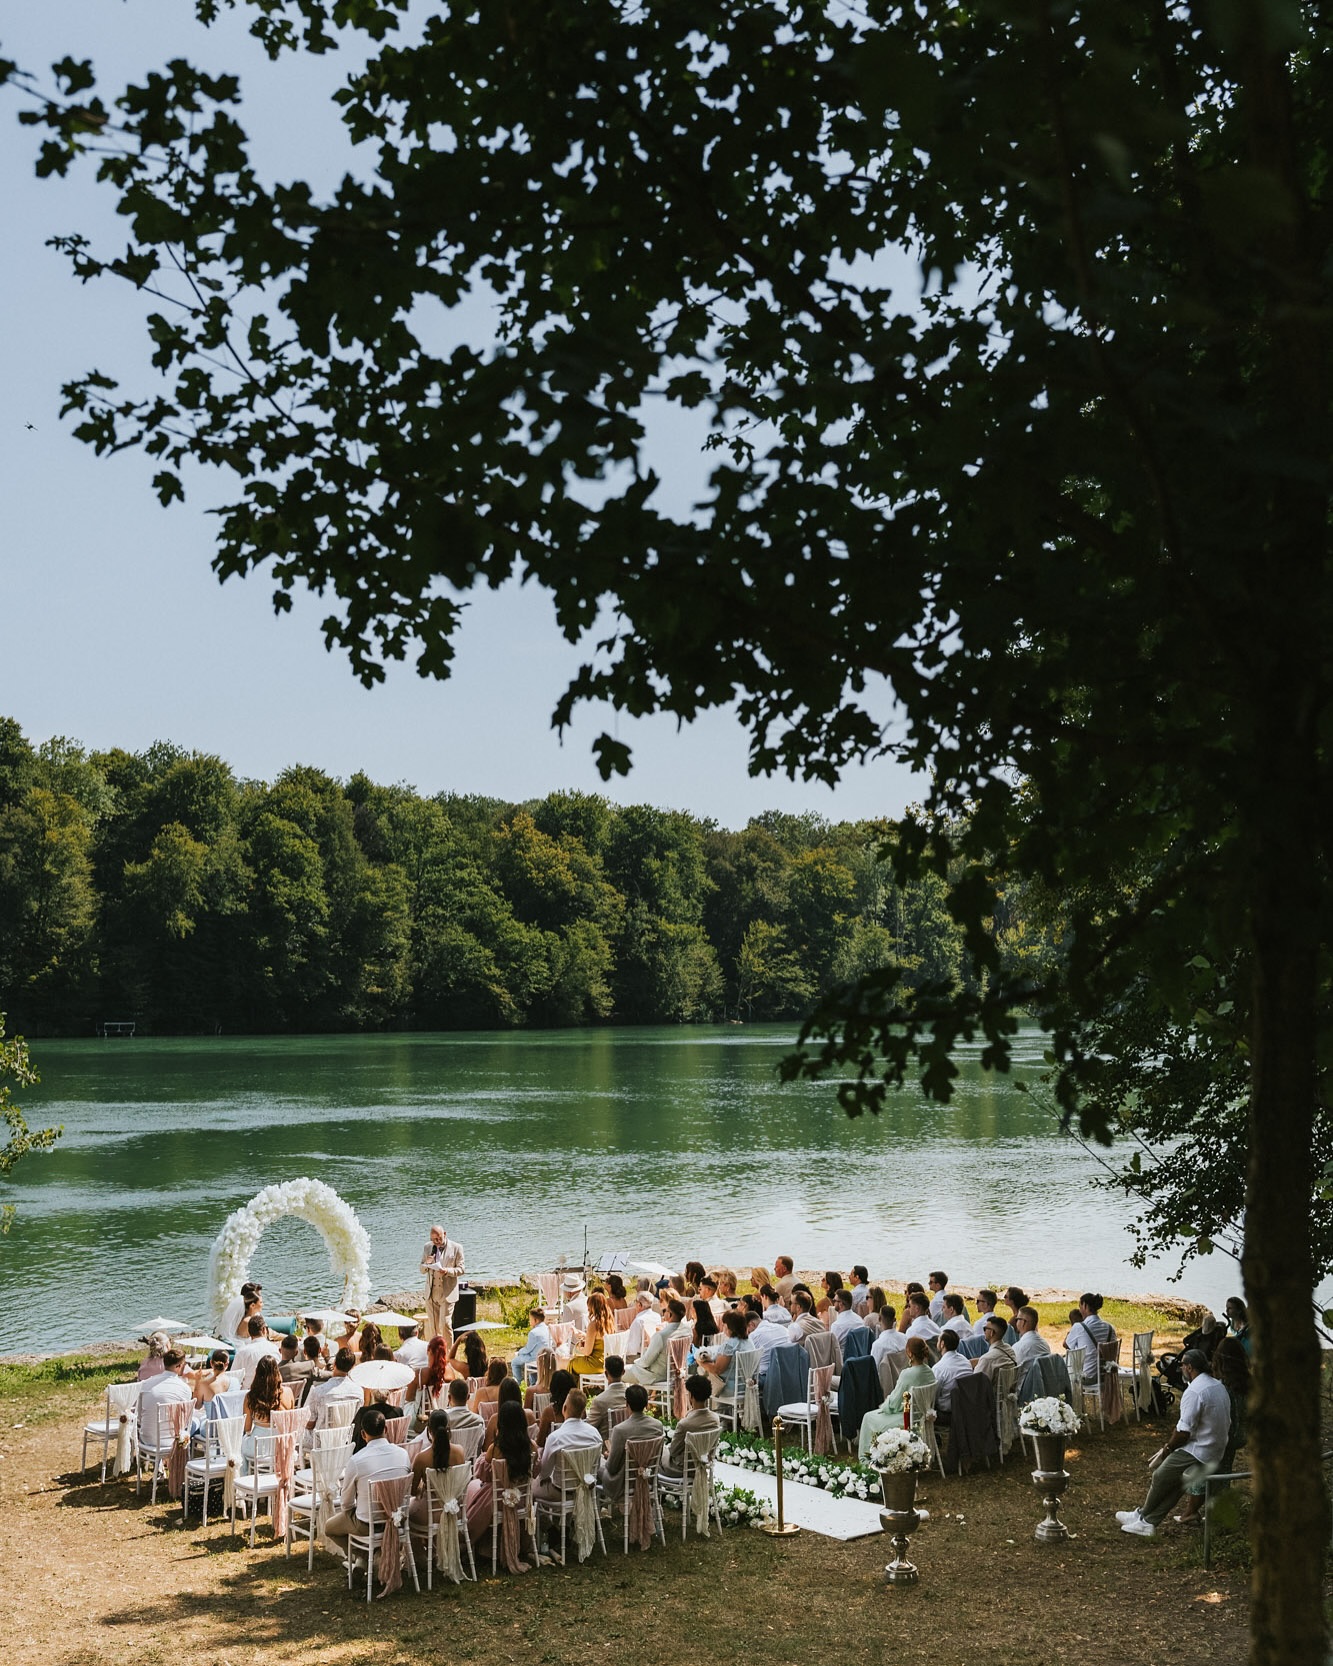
[511,1444]
[510,1392]
[987,1302]
[475,1358]
[213,1378]
[371,1340]
[912,1289]
[572,1431]
[438,1373]
[1089,1333]
[267,1393]
[461,1416]
[1029,1346]
[805,1322]
[955,1315]
[561,1384]
[651,1367]
[938,1283]
[726,1285]
[487,1397]
[576,1301]
[919,1321]
[784,1277]
[708,1292]
[151,1364]
[916,1374]
[257,1346]
[637,1426]
[875,1301]
[439,1453]
[845,1316]
[829,1286]
[699,1418]
[411,1349]
[160,1390]
[998,1352]
[297,1368]
[644,1328]
[950,1364]
[1193,1450]
[859,1280]
[617,1298]
[375,1401]
[539,1337]
[721,1363]
[378,1460]
[890,1339]
[1014,1298]
[589,1353]
[338,1387]
[1238,1321]
[773,1330]
[546,1363]
[694,1275]
[612,1397]
[704,1332]
[314,1326]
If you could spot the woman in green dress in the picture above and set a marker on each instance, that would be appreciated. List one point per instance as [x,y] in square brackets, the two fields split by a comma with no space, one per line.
[916,1374]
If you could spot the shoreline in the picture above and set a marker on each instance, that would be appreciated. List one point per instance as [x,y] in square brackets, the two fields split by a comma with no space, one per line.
[1174,1309]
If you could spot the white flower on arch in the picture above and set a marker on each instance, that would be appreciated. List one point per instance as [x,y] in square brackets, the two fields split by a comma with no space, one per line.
[336,1222]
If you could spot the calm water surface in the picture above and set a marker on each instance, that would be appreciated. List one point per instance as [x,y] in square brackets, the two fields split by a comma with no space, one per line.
[663,1144]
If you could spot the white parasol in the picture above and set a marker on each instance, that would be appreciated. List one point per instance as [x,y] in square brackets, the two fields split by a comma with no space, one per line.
[170,1326]
[478,1324]
[199,1344]
[328,1317]
[384,1374]
[389,1317]
[655,1268]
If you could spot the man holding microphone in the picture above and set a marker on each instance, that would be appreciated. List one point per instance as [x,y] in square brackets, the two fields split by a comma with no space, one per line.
[442,1263]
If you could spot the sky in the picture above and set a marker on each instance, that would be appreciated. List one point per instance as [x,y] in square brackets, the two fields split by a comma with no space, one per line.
[115,630]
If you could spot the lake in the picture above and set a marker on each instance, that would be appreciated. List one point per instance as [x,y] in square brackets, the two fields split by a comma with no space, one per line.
[664,1144]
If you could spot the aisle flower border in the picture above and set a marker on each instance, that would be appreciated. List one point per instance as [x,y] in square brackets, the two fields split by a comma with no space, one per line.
[333,1218]
[739,1506]
[839,1479]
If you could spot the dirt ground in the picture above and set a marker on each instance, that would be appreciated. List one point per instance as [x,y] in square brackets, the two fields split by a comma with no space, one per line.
[93,1576]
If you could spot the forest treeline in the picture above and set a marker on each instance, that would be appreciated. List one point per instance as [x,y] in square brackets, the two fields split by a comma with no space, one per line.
[158,887]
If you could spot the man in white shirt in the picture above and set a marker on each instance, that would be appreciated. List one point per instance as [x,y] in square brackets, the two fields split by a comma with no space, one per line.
[1194,1449]
[645,1325]
[859,1280]
[938,1283]
[539,1337]
[890,1339]
[338,1387]
[920,1322]
[1029,1346]
[249,1354]
[987,1302]
[412,1351]
[168,1385]
[378,1460]
[652,1366]
[955,1316]
[461,1417]
[573,1432]
[773,1330]
[845,1317]
[951,1365]
[576,1302]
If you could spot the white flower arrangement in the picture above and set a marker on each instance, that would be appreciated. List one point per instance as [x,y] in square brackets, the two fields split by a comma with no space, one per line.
[837,1479]
[741,1508]
[344,1237]
[1051,1416]
[899,1452]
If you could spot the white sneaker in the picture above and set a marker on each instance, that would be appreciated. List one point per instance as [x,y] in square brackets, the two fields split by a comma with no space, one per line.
[1122,1516]
[1136,1524]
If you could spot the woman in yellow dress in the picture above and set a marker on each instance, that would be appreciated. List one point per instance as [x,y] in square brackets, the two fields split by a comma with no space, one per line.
[589,1356]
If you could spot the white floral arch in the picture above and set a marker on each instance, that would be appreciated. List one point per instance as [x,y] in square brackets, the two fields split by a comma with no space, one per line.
[336,1222]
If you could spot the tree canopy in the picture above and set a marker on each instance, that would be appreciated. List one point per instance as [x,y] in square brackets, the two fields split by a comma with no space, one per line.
[1070,498]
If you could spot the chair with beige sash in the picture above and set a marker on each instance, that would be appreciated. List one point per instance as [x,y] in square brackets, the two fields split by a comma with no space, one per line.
[576,1502]
[114,1430]
[444,1530]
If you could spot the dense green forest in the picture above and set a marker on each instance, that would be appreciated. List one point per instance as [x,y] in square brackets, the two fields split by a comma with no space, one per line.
[158,887]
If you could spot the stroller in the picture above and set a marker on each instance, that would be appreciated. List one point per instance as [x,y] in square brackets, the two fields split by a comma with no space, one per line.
[1170,1379]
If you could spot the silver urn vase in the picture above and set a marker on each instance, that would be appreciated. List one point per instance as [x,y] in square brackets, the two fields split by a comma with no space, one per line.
[1050,1479]
[899,1520]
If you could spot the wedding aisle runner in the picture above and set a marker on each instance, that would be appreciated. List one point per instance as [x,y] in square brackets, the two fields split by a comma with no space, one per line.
[809,1507]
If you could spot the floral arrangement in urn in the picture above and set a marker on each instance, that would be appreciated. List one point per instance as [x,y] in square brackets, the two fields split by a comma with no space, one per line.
[1050,1416]
[899,1452]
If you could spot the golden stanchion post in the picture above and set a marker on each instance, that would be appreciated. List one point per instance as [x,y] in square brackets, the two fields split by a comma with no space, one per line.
[779,1529]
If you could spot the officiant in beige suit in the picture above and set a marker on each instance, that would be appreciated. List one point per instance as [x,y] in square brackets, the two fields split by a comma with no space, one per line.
[442,1263]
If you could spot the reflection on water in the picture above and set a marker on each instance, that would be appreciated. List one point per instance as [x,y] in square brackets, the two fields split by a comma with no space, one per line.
[661,1143]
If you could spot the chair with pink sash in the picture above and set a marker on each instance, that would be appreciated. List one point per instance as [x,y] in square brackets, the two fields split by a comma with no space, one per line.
[174,1426]
[814,1412]
[395,1430]
[643,1512]
[548,1288]
[511,1517]
[386,1540]
[287,1429]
